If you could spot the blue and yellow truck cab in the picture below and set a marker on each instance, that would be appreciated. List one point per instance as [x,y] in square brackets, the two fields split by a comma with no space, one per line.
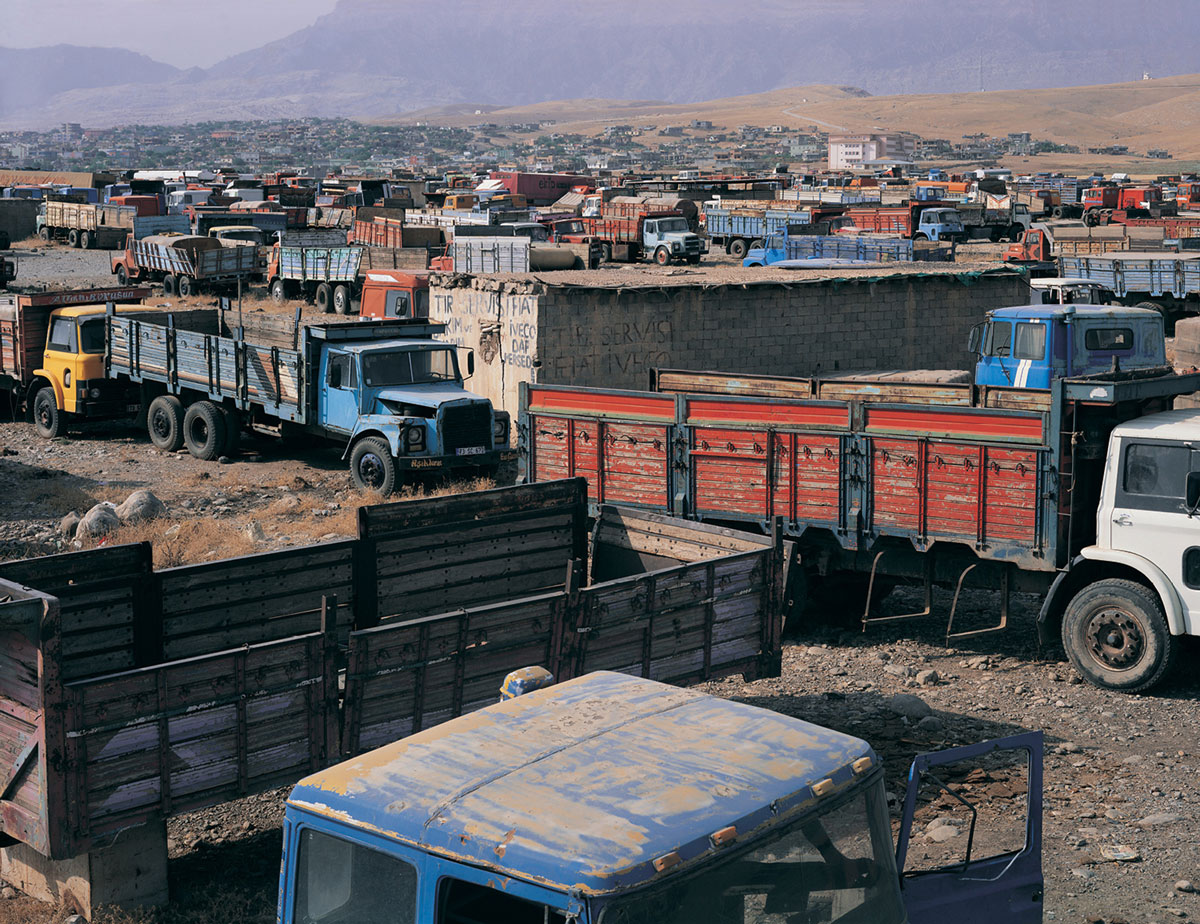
[615,800]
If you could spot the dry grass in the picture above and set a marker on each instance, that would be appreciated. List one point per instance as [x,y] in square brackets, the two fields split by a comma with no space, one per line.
[182,542]
[60,493]
[29,243]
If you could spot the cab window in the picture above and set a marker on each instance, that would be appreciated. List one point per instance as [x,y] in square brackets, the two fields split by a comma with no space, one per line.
[341,372]
[91,335]
[1156,470]
[1108,338]
[341,882]
[1030,341]
[63,336]
[998,341]
[462,902]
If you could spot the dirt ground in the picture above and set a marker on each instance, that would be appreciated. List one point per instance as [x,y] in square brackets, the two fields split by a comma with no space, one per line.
[1119,770]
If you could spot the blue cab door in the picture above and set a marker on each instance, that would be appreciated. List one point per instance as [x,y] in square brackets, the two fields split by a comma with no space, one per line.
[989,795]
[1015,354]
[338,395]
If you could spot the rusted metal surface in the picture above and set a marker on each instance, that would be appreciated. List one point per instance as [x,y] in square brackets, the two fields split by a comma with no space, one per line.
[127,692]
[514,788]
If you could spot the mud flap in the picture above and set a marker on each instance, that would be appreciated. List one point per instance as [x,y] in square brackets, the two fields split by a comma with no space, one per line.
[984,886]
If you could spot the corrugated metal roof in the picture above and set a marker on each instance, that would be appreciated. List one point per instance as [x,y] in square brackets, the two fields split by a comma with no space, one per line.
[582,785]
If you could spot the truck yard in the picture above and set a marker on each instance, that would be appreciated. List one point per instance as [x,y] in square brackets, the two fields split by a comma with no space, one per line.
[298,476]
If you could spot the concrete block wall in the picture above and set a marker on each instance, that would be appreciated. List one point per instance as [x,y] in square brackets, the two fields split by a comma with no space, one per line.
[612,338]
[19,217]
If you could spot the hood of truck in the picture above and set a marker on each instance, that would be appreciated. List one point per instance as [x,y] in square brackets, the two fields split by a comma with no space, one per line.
[389,398]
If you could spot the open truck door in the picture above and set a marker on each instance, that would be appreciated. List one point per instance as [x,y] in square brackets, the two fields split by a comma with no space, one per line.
[970,839]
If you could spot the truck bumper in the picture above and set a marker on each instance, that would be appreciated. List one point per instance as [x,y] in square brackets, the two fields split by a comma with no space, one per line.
[452,463]
[104,398]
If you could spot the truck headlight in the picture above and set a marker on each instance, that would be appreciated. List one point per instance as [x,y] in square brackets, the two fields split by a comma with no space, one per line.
[95,393]
[500,430]
[676,246]
[414,439]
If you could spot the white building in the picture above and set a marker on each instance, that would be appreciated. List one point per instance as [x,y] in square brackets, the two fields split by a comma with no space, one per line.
[847,152]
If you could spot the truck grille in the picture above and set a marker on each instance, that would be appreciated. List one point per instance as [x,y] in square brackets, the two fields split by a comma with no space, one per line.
[465,426]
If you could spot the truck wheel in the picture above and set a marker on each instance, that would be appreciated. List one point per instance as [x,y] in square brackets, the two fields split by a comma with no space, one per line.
[186,286]
[204,431]
[233,431]
[122,276]
[164,423]
[168,284]
[48,420]
[87,240]
[1056,212]
[341,300]
[45,234]
[756,244]
[737,248]
[1116,635]
[662,256]
[1091,218]
[278,291]
[606,253]
[73,237]
[372,466]
[694,261]
[920,236]
[324,297]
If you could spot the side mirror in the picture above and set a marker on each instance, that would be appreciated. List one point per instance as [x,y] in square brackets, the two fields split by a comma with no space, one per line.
[973,338]
[470,363]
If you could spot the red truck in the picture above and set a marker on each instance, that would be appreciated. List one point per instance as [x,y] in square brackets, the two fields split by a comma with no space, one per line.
[1101,203]
[918,221]
[539,188]
[394,294]
[630,233]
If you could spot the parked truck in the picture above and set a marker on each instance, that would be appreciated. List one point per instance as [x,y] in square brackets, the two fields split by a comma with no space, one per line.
[630,234]
[385,389]
[742,230]
[1061,471]
[184,264]
[325,276]
[781,247]
[538,188]
[921,221]
[993,221]
[610,798]
[1101,202]
[86,225]
[1166,282]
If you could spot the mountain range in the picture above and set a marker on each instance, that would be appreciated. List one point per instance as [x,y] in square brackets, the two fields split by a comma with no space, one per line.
[375,58]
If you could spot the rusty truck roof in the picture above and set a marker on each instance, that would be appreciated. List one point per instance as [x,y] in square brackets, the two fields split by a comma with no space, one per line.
[584,785]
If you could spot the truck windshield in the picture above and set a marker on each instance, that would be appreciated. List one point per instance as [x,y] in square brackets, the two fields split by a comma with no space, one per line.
[409,367]
[836,866]
[341,882]
[672,225]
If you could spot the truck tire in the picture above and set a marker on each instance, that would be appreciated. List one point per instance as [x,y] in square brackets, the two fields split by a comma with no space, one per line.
[737,248]
[920,236]
[122,275]
[1056,212]
[73,237]
[341,300]
[233,431]
[324,297]
[756,244]
[87,240]
[694,261]
[204,431]
[164,423]
[372,467]
[1091,218]
[48,420]
[1116,635]
[278,291]
[606,253]
[168,284]
[186,286]
[662,256]
[46,234]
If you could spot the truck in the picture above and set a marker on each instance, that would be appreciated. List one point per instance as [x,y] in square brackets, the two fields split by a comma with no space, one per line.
[631,234]
[994,221]
[385,390]
[920,221]
[539,188]
[389,293]
[742,230]
[1060,471]
[203,220]
[184,264]
[54,342]
[86,225]
[325,276]
[1100,202]
[784,246]
[493,808]
[1165,282]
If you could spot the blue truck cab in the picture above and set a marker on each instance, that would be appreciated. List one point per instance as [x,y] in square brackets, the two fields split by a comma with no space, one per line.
[1030,345]
[610,799]
[401,405]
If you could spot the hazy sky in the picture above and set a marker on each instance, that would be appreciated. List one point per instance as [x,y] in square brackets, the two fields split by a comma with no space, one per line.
[187,33]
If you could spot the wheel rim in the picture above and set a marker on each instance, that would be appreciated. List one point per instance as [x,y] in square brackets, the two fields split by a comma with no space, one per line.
[1115,639]
[199,431]
[371,470]
[45,418]
[160,423]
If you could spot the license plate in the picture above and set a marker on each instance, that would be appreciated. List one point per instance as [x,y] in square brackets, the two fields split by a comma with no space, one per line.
[470,451]
[132,408]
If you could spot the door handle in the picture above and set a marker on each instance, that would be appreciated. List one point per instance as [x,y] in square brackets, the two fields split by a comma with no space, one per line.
[1123,520]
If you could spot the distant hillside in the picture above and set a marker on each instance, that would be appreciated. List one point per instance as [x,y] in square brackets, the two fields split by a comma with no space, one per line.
[373,58]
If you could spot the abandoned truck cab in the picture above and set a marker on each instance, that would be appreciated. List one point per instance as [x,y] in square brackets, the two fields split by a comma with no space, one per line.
[402,403]
[1029,346]
[611,799]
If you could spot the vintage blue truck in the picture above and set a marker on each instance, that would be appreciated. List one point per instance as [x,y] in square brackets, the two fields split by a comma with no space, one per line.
[620,800]
[782,246]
